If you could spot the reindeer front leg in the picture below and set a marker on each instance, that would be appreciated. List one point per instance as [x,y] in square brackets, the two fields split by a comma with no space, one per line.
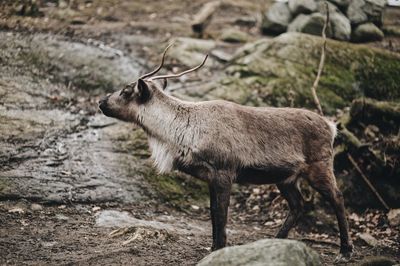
[220,190]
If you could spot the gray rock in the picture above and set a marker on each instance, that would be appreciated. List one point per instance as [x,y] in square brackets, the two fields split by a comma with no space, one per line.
[276,19]
[311,24]
[222,56]
[360,11]
[355,13]
[115,218]
[302,6]
[368,239]
[264,252]
[234,35]
[191,51]
[64,160]
[339,26]
[367,32]
[36,207]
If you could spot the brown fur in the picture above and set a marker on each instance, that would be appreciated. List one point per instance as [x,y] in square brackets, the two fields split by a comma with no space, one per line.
[222,142]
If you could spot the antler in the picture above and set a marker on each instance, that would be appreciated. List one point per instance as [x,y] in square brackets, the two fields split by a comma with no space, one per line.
[160,66]
[180,74]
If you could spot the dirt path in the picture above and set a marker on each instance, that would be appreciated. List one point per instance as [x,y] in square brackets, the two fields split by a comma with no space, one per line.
[69,176]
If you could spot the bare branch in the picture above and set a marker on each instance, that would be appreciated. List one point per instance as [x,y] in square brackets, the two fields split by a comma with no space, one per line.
[353,162]
[321,63]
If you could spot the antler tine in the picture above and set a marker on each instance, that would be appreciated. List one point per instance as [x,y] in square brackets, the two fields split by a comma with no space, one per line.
[180,74]
[160,66]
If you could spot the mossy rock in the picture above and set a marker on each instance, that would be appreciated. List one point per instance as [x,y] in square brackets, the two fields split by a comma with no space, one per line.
[281,71]
[374,127]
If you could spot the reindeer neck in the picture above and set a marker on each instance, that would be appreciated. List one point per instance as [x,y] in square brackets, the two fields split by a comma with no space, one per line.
[165,118]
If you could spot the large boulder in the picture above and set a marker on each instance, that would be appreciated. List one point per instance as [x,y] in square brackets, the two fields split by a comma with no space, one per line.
[276,19]
[274,252]
[281,71]
[54,145]
[87,66]
[302,6]
[367,32]
[360,11]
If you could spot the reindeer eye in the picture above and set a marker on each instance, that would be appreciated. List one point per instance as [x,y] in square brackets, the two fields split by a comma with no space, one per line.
[126,92]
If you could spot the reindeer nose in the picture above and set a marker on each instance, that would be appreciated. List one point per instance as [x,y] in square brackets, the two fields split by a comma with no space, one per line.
[103,100]
[103,103]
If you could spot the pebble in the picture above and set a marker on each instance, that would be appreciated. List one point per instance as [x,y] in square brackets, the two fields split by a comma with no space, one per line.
[36,207]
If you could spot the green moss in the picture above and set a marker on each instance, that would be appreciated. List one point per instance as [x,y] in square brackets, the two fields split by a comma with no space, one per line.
[177,189]
[379,78]
[280,72]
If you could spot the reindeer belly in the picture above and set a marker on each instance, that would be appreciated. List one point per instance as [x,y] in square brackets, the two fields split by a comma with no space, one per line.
[265,175]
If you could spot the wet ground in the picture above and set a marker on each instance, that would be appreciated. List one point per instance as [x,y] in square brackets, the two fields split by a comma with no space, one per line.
[74,185]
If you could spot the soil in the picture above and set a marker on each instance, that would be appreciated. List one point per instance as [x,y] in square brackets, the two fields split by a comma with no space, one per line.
[64,166]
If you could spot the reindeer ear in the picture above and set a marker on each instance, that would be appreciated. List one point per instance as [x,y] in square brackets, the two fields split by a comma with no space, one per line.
[143,90]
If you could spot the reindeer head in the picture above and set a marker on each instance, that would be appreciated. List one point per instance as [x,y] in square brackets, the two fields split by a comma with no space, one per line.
[125,103]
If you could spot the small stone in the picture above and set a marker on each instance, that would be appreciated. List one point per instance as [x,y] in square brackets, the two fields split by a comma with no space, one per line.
[276,19]
[62,217]
[302,6]
[62,4]
[360,11]
[195,207]
[36,207]
[96,208]
[16,210]
[394,217]
[368,239]
[222,56]
[234,36]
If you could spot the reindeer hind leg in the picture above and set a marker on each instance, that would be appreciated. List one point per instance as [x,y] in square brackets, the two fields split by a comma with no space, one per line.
[322,179]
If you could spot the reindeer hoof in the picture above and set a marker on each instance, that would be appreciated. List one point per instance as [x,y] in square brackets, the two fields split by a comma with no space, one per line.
[343,257]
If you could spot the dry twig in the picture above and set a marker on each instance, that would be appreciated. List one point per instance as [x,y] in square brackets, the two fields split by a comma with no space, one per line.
[321,63]
[353,162]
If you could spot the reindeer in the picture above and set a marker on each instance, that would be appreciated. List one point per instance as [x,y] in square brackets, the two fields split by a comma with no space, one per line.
[223,142]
